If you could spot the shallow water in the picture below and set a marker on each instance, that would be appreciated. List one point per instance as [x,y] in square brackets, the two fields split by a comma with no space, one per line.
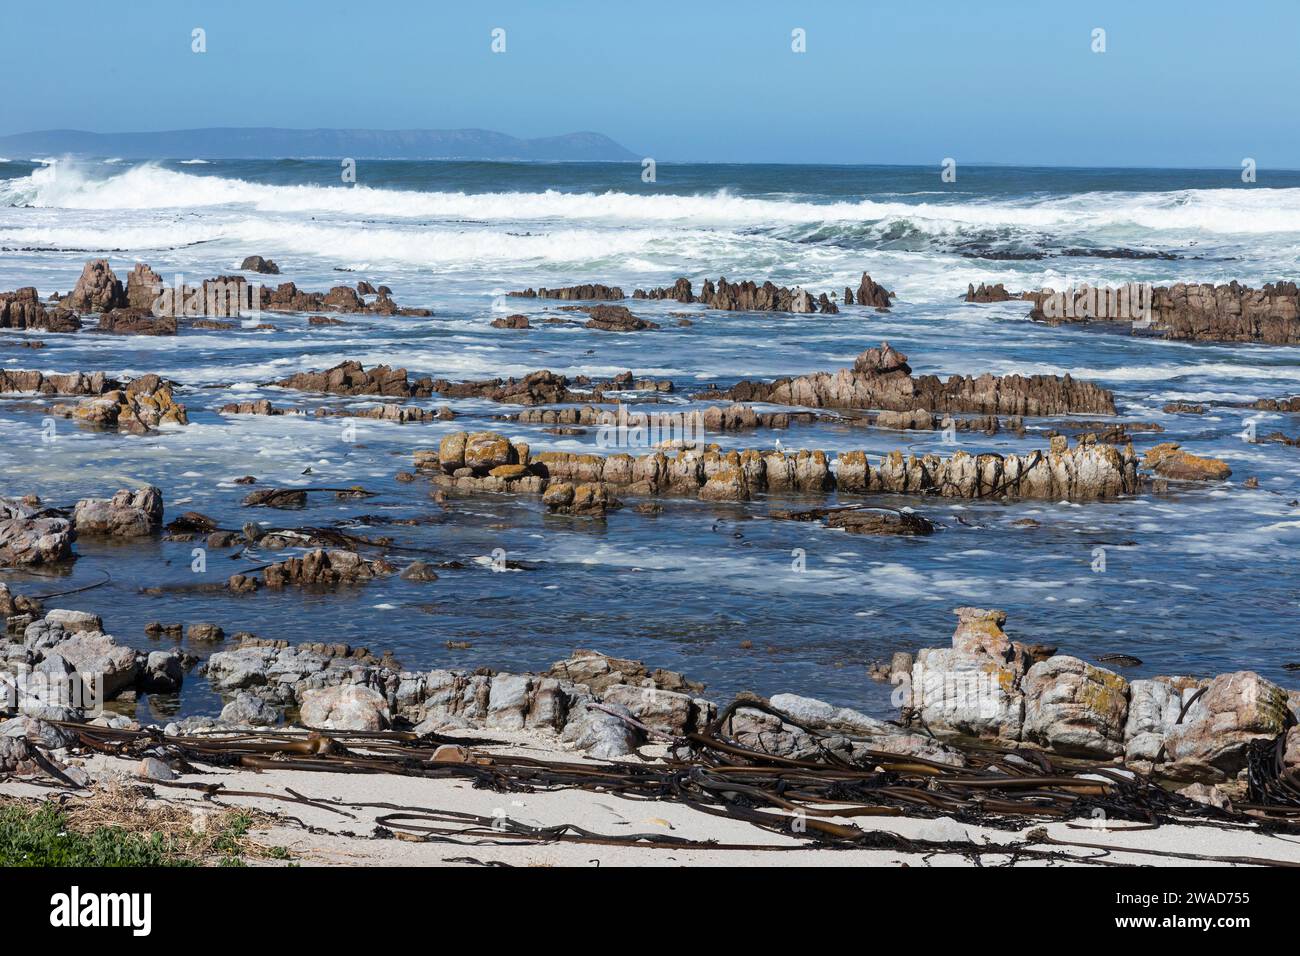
[1198,580]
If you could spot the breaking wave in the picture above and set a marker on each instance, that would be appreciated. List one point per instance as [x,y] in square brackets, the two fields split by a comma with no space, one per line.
[65,185]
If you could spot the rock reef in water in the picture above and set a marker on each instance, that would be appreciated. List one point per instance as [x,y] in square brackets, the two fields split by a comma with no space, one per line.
[574,293]
[259,265]
[23,309]
[1229,312]
[325,569]
[1168,460]
[745,296]
[21,381]
[988,293]
[881,379]
[617,318]
[716,418]
[138,407]
[1087,471]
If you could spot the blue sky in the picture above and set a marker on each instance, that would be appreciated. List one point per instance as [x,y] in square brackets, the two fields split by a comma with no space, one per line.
[883,81]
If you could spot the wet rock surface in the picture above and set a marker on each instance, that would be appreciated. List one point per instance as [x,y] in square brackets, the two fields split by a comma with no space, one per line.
[23,309]
[31,535]
[128,514]
[325,569]
[1169,461]
[1085,471]
[142,405]
[881,379]
[617,318]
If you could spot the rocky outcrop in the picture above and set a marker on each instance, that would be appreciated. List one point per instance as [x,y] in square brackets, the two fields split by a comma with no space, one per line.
[65,660]
[987,293]
[617,318]
[31,535]
[127,321]
[98,289]
[128,514]
[1229,313]
[536,388]
[23,309]
[1073,707]
[992,687]
[142,405]
[542,387]
[881,379]
[21,381]
[481,461]
[287,297]
[388,412]
[350,378]
[259,265]
[679,291]
[143,288]
[1169,461]
[1235,709]
[344,707]
[715,418]
[1203,312]
[322,569]
[575,293]
[511,322]
[340,688]
[1287,404]
[873,294]
[748,296]
[1085,472]
[587,500]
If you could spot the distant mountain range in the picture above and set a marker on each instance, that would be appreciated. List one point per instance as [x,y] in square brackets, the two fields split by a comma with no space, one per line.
[276,143]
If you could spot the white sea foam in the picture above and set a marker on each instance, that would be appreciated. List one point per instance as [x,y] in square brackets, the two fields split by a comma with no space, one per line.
[148,186]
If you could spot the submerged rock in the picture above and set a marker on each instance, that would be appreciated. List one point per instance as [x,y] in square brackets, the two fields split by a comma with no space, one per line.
[617,318]
[880,522]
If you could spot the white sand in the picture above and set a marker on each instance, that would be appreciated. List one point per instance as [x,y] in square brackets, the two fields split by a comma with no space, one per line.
[348,840]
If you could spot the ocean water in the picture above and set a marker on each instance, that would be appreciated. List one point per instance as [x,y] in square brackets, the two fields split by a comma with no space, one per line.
[1199,580]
